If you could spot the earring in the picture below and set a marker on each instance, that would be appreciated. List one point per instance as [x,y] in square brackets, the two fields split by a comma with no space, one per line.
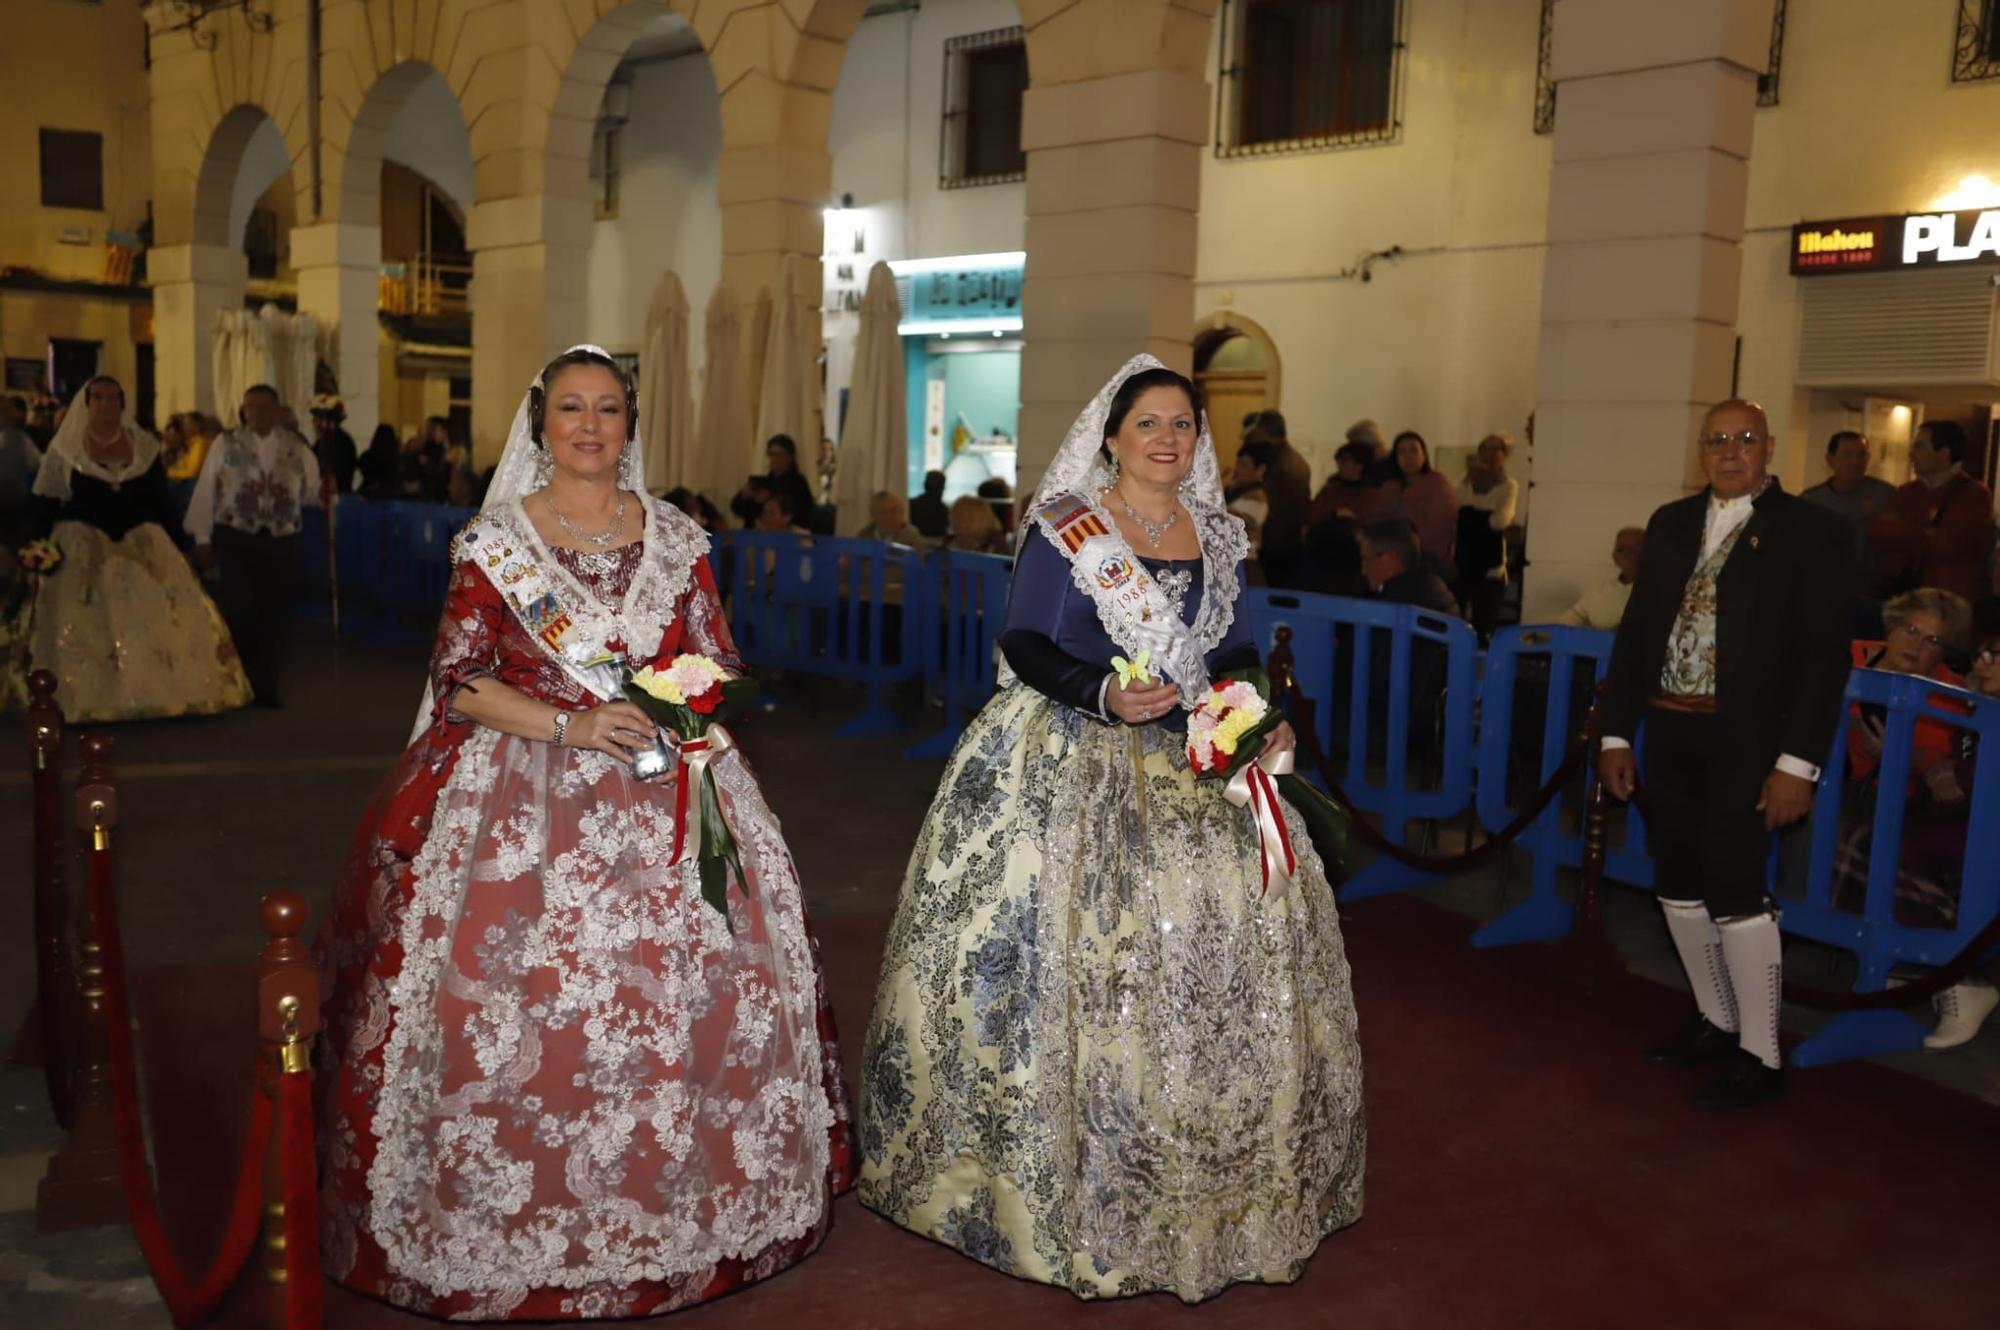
[545,467]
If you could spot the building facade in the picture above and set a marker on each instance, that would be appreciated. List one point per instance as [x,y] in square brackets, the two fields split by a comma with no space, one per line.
[1445,215]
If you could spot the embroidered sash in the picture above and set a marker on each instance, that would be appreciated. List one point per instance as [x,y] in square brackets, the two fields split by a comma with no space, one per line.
[510,564]
[1131,605]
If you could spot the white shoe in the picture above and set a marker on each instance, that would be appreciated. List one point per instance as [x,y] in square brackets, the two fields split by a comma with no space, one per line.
[1962,1009]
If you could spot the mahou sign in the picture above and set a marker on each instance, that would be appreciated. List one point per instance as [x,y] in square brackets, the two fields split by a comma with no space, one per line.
[1917,240]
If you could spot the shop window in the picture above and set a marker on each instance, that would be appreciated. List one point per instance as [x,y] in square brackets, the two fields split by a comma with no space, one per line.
[985,81]
[1976,48]
[72,169]
[1300,75]
[1545,87]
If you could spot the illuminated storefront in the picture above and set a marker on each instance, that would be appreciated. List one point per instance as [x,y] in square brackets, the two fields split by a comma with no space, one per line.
[961,333]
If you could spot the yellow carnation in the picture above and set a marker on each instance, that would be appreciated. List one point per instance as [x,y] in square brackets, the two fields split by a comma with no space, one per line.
[653,683]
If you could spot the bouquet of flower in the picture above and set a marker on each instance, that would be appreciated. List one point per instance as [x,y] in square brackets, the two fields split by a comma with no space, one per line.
[1226,734]
[691,697]
[40,557]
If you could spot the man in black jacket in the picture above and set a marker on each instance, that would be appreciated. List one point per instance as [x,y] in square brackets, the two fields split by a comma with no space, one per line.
[1734,651]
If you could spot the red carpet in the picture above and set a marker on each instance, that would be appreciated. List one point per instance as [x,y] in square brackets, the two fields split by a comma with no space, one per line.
[1526,1169]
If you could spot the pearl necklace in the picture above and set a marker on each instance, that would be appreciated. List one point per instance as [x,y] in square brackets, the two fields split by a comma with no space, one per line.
[1155,531]
[597,538]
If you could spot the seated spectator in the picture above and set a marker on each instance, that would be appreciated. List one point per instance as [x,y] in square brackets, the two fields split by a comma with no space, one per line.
[1000,494]
[1936,531]
[889,519]
[1603,605]
[1964,1007]
[197,432]
[779,514]
[1922,626]
[928,513]
[1245,493]
[1486,511]
[1394,570]
[975,529]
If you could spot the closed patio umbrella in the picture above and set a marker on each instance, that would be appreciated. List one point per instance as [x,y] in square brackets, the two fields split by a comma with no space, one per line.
[874,441]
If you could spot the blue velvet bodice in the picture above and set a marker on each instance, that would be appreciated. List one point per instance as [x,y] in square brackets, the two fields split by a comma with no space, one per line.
[1044,599]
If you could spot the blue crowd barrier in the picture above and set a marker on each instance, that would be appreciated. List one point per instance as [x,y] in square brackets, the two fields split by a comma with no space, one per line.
[835,606]
[1397,673]
[1559,659]
[394,560]
[1878,940]
[1416,724]
[965,611]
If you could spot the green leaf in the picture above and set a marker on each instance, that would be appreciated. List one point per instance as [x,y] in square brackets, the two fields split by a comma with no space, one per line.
[1326,822]
[715,884]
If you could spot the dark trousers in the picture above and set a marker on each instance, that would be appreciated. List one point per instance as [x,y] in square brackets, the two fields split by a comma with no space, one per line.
[1707,838]
[259,591]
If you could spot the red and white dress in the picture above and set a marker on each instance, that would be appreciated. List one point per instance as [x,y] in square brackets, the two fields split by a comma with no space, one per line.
[555,1082]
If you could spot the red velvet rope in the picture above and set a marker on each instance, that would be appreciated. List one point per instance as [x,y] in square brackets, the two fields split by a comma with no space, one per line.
[187,1305]
[303,1288]
[1449,863]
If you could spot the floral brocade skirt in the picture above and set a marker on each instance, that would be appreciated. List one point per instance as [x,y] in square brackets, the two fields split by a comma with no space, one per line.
[1101,1055]
[129,632]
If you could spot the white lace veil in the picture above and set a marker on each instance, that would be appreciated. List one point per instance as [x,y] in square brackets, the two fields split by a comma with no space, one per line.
[524,468]
[524,464]
[1080,468]
[68,453]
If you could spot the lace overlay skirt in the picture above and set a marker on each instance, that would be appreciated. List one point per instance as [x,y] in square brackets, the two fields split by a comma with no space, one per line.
[1100,1057]
[557,1083]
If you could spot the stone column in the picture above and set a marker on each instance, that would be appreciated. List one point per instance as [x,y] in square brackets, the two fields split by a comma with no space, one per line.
[773,199]
[191,285]
[528,268]
[1646,211]
[340,268]
[1114,125]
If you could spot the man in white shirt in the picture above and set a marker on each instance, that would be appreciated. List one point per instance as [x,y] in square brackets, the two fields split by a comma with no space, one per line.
[1733,650]
[1603,605]
[244,519]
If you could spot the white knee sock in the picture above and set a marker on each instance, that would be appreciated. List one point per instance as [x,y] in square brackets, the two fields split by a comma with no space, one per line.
[1752,950]
[1700,946]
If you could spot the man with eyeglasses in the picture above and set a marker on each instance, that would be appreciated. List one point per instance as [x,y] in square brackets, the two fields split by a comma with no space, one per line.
[1733,651]
[1938,529]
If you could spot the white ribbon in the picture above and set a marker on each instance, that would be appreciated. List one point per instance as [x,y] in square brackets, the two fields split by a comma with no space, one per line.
[696,754]
[1252,786]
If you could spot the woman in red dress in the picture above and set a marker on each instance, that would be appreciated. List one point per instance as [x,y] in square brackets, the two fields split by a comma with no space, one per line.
[557,1084]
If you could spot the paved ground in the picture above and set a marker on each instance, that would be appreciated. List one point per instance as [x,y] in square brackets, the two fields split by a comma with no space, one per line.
[218,811]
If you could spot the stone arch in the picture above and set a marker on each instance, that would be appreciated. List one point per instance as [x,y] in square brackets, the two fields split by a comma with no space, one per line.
[368,140]
[1251,380]
[221,166]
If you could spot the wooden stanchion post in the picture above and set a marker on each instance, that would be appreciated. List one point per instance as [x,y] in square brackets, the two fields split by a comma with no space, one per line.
[1593,949]
[81,1187]
[287,1021]
[52,969]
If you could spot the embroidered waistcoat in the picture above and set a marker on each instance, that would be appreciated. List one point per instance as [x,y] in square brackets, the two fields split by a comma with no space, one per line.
[1689,670]
[255,500]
